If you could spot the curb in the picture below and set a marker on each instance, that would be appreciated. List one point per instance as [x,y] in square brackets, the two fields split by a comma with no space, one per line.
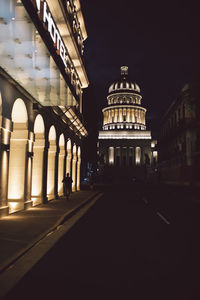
[7,264]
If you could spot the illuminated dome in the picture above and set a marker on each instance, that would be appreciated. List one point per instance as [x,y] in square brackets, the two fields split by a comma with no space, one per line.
[124,110]
[124,84]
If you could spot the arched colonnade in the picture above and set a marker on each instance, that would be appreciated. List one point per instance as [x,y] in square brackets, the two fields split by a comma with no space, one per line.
[32,167]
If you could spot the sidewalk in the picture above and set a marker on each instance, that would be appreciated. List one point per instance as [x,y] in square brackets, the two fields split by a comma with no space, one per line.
[20,231]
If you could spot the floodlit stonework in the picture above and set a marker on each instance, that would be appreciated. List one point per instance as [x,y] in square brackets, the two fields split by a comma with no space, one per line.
[42,76]
[125,143]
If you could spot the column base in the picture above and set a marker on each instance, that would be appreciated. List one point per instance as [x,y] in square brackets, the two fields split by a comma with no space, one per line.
[4,211]
[51,197]
[28,204]
[15,206]
[37,200]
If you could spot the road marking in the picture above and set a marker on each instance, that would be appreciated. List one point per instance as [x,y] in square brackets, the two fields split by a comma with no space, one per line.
[163,218]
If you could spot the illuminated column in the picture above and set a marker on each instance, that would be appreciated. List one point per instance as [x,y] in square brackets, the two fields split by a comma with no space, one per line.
[144,118]
[51,164]
[115,117]
[128,115]
[111,155]
[139,117]
[133,115]
[29,170]
[4,157]
[124,113]
[17,167]
[138,155]
[112,115]
[37,172]
[74,161]
[136,115]
[78,168]
[109,117]
[18,157]
[38,162]
[104,118]
[61,159]
[120,115]
[69,157]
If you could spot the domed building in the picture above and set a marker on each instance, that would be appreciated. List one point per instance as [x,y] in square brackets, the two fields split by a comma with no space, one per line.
[125,143]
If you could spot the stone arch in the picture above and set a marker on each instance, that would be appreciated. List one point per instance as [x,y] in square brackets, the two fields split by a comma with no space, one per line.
[18,162]
[51,164]
[19,112]
[61,160]
[74,163]
[38,161]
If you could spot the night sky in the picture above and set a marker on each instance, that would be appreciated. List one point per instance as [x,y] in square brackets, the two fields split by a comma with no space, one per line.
[158,41]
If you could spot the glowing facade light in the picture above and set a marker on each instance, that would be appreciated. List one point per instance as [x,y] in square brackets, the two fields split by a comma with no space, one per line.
[155,154]
[123,134]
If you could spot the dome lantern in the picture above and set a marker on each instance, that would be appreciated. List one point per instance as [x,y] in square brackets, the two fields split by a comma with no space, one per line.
[124,83]
[124,70]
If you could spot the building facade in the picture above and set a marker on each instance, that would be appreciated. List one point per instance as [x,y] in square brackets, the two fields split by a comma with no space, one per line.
[124,144]
[179,141]
[42,76]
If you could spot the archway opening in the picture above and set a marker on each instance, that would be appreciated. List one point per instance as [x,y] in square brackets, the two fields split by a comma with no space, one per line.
[18,157]
[69,157]
[38,160]
[51,164]
[61,160]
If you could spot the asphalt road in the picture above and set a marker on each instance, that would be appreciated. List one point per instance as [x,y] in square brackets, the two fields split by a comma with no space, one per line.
[134,243]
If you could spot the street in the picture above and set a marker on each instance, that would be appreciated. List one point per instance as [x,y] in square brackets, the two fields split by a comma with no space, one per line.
[136,242]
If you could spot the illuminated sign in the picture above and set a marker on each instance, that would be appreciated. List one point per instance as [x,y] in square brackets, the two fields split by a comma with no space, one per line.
[46,17]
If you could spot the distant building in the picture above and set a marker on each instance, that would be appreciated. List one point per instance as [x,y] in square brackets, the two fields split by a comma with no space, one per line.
[179,141]
[125,146]
[42,75]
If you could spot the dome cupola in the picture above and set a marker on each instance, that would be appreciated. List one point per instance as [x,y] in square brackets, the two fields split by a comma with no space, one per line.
[124,110]
[124,84]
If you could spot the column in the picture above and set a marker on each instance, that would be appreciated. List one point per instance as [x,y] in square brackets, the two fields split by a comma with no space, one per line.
[5,132]
[38,170]
[17,179]
[74,161]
